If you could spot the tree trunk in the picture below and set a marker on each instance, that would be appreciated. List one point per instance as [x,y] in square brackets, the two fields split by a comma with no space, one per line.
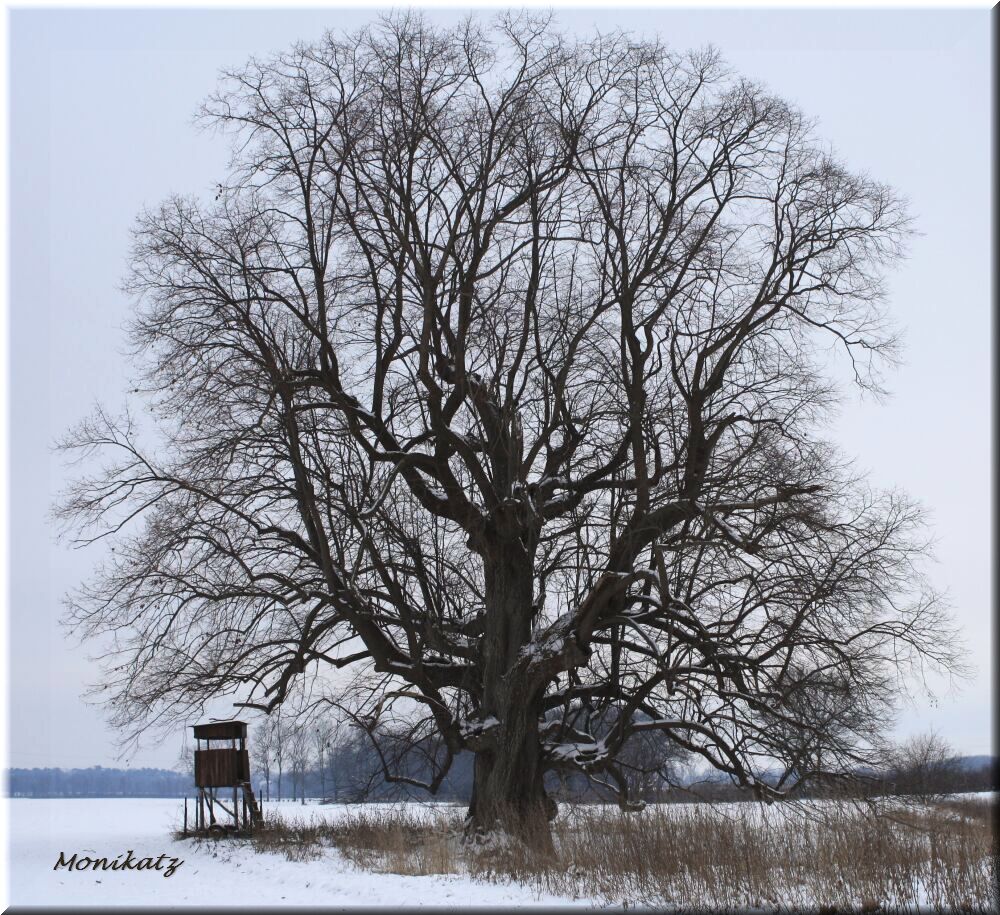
[508,791]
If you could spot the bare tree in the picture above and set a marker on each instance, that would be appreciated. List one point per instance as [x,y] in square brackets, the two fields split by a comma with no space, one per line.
[299,739]
[923,764]
[279,741]
[324,735]
[262,749]
[185,759]
[497,372]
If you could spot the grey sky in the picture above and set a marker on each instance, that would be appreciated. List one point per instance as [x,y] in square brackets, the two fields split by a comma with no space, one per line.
[100,125]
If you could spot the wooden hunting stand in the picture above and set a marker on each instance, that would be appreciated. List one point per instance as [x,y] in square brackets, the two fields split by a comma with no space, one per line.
[223,767]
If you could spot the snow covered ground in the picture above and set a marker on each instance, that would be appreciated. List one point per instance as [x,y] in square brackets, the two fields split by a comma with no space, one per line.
[42,829]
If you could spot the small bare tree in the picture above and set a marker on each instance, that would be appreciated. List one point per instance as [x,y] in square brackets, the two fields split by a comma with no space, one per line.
[299,754]
[280,744]
[324,735]
[185,760]
[922,765]
[262,744]
[498,372]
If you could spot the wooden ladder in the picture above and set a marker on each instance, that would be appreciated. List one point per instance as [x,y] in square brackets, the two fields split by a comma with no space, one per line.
[255,814]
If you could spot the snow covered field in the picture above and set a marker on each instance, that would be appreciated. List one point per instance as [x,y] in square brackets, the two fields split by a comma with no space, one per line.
[42,829]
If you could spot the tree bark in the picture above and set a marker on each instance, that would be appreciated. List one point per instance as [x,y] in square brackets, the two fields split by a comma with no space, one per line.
[508,791]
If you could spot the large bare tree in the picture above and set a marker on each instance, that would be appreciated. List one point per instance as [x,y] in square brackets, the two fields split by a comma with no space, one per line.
[497,371]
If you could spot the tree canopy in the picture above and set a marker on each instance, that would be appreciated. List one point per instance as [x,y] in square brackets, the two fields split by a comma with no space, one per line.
[498,371]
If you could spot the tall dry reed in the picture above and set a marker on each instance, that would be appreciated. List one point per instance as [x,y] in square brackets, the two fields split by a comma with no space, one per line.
[833,855]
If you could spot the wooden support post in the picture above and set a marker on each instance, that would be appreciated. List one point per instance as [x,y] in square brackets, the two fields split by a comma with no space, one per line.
[236,810]
[185,817]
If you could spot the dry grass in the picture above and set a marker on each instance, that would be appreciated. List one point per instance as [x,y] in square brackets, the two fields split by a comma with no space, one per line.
[834,856]
[295,840]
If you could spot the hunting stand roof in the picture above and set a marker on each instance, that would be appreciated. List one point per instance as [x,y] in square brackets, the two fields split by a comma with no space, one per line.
[221,730]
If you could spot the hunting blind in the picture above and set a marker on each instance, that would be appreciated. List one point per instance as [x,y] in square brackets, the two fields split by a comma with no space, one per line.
[218,768]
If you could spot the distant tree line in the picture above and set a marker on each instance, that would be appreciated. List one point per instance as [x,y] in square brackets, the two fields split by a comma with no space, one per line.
[340,763]
[98,782]
[291,762]
[925,765]
[921,766]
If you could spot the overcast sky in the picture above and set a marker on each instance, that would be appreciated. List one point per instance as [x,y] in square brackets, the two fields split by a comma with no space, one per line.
[101,104]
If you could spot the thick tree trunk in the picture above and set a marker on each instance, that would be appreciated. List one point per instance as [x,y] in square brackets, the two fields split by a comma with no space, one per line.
[508,791]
